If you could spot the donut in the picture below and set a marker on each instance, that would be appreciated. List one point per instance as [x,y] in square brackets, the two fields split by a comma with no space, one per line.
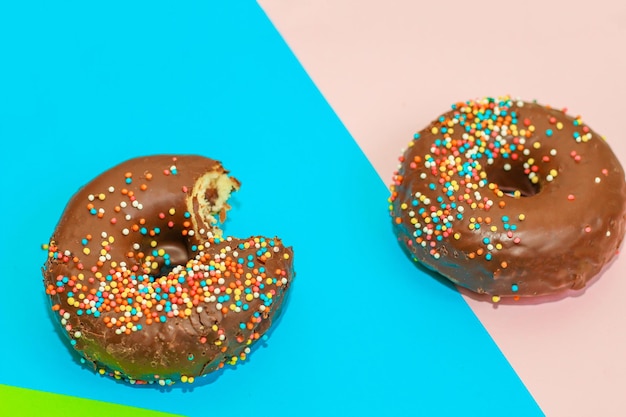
[144,283]
[509,198]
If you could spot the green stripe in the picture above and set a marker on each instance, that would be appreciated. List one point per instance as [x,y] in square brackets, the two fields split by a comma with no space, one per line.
[25,402]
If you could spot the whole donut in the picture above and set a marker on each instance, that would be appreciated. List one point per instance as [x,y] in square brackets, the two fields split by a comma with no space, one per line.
[509,198]
[143,282]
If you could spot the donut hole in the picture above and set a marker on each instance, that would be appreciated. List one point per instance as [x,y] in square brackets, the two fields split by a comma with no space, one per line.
[511,179]
[177,253]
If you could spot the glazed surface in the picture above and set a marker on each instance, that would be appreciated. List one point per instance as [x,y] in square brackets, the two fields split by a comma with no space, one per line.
[143,283]
[510,198]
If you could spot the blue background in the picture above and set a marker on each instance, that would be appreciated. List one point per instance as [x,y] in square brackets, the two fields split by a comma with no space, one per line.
[86,86]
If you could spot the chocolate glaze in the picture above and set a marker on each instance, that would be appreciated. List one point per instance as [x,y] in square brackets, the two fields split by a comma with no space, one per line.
[137,237]
[556,234]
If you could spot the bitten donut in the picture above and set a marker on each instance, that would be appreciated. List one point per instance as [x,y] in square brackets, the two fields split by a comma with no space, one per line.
[509,198]
[145,285]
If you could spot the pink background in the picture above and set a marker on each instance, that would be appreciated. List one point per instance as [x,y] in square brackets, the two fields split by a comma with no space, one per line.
[389,67]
